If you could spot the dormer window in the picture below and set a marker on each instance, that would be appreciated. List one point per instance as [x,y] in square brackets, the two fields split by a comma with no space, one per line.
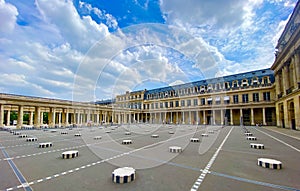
[255,81]
[244,82]
[235,84]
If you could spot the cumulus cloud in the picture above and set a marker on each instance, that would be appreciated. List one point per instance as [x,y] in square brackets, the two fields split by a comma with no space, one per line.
[8,15]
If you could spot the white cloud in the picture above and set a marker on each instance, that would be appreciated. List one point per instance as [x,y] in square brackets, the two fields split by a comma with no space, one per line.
[81,33]
[8,15]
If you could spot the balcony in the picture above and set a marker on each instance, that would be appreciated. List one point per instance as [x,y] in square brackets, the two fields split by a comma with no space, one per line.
[279,95]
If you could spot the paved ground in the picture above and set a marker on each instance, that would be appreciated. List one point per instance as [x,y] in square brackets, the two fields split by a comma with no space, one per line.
[221,161]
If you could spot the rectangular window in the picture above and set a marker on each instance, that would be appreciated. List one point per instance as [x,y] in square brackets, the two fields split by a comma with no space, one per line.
[156,105]
[255,97]
[176,103]
[152,105]
[209,101]
[218,100]
[171,104]
[166,104]
[245,98]
[161,105]
[188,102]
[182,103]
[235,98]
[266,96]
[202,101]
[195,102]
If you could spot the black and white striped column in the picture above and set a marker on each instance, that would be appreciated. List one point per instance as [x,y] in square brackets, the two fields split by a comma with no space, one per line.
[123,175]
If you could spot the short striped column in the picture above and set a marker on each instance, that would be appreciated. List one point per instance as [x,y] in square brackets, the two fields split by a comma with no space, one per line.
[16,133]
[64,132]
[126,142]
[107,131]
[257,146]
[204,135]
[248,134]
[31,139]
[123,175]
[97,137]
[77,135]
[70,154]
[154,136]
[171,132]
[127,133]
[251,138]
[175,149]
[211,132]
[269,163]
[194,139]
[44,145]
[23,136]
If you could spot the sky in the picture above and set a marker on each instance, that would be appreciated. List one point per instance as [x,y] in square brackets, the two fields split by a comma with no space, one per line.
[90,50]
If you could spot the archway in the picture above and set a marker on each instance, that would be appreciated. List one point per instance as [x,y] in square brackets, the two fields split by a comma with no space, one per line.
[292,115]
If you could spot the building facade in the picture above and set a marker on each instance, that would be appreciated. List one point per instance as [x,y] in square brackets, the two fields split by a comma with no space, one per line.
[246,98]
[287,74]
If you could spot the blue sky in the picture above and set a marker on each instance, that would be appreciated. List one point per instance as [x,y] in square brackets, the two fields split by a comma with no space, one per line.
[95,49]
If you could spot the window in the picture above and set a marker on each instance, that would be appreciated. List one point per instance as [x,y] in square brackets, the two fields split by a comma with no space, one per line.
[266,80]
[266,96]
[235,84]
[244,82]
[152,105]
[176,103]
[202,89]
[195,102]
[161,105]
[226,100]
[254,81]
[209,101]
[255,97]
[226,85]
[218,100]
[166,104]
[156,105]
[235,98]
[245,98]
[182,103]
[171,104]
[209,88]
[189,102]
[202,101]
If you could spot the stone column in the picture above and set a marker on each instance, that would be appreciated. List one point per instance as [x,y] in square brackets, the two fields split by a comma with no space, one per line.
[285,79]
[31,118]
[78,118]
[231,117]
[8,118]
[297,65]
[20,117]
[252,116]
[190,117]
[214,117]
[37,117]
[183,117]
[264,116]
[277,84]
[42,118]
[222,117]
[197,118]
[204,118]
[241,117]
[171,117]
[1,115]
[294,73]
[59,119]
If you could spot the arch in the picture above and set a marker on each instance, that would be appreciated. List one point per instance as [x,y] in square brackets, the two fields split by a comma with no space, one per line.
[291,115]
